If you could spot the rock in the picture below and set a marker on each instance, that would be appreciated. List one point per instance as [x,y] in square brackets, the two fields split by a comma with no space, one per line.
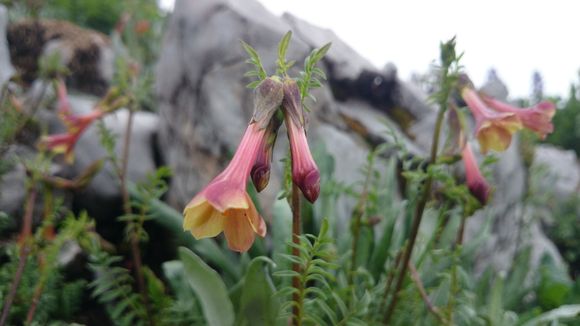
[494,86]
[558,170]
[13,191]
[103,196]
[86,53]
[6,69]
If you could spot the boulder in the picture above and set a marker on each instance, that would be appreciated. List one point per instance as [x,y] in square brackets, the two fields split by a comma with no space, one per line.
[87,54]
[6,69]
[558,170]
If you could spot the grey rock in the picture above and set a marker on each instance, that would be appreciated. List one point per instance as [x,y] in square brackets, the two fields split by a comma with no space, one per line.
[494,86]
[558,170]
[6,69]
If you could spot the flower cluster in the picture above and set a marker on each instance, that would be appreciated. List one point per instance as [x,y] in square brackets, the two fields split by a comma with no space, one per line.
[224,205]
[495,124]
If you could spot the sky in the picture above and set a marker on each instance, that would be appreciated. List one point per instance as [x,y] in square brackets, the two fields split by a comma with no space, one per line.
[514,37]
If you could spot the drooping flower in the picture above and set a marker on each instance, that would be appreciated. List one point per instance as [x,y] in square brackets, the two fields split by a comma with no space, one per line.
[493,129]
[476,183]
[305,173]
[267,99]
[537,118]
[75,124]
[224,205]
[261,170]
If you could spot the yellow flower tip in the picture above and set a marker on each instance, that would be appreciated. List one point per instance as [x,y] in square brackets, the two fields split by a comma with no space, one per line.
[203,221]
[496,139]
[496,133]
[238,230]
[241,227]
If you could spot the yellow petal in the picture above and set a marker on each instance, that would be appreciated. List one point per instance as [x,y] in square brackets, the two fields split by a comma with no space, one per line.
[203,221]
[238,230]
[255,220]
[497,139]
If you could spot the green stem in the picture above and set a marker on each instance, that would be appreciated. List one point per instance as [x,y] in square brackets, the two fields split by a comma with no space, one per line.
[419,284]
[390,278]
[358,214]
[419,209]
[297,296]
[442,223]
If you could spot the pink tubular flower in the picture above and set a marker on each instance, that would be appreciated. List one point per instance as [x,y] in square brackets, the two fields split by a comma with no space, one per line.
[76,124]
[476,183]
[224,205]
[537,118]
[261,170]
[493,129]
[305,173]
[267,99]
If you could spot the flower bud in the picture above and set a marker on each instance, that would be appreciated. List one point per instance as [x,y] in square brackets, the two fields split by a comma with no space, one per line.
[261,170]
[476,183]
[305,173]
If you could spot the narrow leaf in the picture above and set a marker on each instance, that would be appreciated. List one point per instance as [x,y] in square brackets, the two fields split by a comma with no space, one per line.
[210,289]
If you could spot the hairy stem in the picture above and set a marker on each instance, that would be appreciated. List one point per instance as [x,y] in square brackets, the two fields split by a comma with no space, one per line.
[419,209]
[419,284]
[34,303]
[460,232]
[135,250]
[390,278]
[296,231]
[24,252]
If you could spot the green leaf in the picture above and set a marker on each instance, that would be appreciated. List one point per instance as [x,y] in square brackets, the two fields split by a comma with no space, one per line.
[381,250]
[210,289]
[552,316]
[281,230]
[495,305]
[257,304]
[282,49]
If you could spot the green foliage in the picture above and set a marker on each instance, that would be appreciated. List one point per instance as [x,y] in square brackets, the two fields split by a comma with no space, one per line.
[259,71]
[113,287]
[258,306]
[311,77]
[567,123]
[314,261]
[58,299]
[209,288]
[96,14]
[281,62]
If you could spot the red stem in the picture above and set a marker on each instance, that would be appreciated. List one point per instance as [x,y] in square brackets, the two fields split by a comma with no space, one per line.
[296,231]
[24,252]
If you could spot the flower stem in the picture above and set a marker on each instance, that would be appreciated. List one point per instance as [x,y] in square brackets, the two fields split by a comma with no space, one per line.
[24,252]
[419,209]
[296,231]
[390,278]
[419,284]
[134,241]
